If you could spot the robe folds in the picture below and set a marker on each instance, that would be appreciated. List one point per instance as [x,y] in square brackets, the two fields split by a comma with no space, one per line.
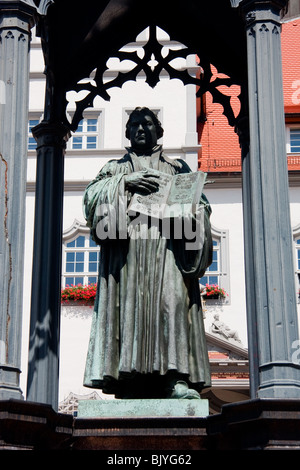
[147,315]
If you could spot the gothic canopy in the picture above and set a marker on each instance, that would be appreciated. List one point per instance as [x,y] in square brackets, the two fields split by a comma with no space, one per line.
[78,41]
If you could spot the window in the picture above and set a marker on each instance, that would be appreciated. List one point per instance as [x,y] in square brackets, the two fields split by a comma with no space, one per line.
[31,144]
[293,140]
[80,259]
[217,272]
[212,275]
[86,135]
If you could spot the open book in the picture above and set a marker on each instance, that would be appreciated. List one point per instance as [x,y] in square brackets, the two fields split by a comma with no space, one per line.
[177,196]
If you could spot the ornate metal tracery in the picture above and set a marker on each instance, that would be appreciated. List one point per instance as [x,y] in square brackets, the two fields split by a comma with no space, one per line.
[152,63]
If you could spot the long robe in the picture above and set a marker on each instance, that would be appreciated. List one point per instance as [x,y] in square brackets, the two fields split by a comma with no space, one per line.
[147,316]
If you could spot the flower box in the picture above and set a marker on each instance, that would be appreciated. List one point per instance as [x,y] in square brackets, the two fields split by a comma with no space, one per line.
[213,291]
[77,303]
[79,295]
[212,296]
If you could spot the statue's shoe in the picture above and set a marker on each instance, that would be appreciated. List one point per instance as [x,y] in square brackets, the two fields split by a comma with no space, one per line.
[181,390]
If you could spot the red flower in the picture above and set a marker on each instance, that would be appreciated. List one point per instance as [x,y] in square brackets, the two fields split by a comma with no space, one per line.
[213,289]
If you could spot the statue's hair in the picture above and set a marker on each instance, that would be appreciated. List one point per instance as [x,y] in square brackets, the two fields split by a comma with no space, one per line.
[145,112]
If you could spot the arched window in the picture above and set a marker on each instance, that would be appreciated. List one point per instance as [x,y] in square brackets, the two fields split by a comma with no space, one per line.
[80,260]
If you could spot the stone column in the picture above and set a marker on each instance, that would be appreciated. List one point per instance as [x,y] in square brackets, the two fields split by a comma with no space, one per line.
[271,301]
[43,365]
[16,19]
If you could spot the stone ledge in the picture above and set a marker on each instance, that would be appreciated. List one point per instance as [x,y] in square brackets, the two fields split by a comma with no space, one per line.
[257,424]
[33,426]
[140,433]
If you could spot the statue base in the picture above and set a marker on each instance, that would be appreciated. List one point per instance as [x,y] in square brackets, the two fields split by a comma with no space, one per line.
[258,424]
[174,407]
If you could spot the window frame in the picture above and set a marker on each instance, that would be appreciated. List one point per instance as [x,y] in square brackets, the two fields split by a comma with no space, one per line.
[222,238]
[84,134]
[289,128]
[78,229]
[32,116]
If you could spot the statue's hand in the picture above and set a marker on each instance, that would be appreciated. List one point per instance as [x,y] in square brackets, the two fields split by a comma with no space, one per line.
[143,182]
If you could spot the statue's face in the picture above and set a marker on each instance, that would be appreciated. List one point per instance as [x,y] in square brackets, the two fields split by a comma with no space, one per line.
[142,132]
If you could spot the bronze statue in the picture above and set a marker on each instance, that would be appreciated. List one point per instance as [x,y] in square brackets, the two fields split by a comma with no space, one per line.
[147,332]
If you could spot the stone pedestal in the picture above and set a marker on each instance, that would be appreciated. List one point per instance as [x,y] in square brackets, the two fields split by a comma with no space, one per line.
[262,424]
[142,408]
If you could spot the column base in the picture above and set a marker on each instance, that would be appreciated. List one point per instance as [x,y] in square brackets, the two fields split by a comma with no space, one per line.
[279,380]
[279,392]
[9,383]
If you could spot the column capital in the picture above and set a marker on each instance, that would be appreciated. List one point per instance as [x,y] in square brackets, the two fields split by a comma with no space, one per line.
[13,10]
[16,5]
[256,4]
[51,134]
[262,10]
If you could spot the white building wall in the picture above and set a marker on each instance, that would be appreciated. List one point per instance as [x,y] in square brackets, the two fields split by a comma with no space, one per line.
[227,214]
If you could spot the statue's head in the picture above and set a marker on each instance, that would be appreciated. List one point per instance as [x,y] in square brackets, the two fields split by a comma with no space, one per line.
[143,128]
